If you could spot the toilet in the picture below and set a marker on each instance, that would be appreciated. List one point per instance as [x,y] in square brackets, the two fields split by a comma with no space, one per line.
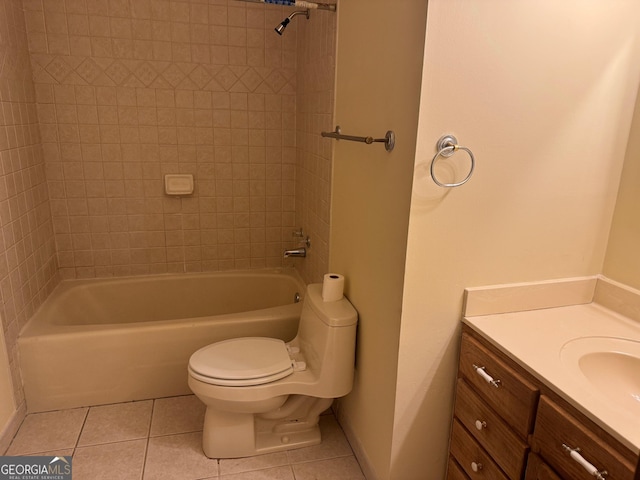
[264,395]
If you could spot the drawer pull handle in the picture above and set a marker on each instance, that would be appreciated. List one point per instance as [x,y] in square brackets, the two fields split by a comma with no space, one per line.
[593,471]
[476,466]
[487,378]
[480,424]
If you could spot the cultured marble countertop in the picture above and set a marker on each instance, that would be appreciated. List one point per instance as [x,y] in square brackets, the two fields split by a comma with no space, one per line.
[535,339]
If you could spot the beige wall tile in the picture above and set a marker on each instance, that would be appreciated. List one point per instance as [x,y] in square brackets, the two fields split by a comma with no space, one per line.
[27,261]
[157,106]
[125,92]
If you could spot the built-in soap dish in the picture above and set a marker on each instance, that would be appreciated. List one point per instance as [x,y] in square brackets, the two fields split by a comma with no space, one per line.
[178,184]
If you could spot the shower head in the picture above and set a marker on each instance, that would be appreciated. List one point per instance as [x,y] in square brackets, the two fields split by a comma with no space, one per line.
[280,28]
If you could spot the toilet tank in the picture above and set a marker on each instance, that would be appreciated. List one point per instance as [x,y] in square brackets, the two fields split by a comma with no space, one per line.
[327,340]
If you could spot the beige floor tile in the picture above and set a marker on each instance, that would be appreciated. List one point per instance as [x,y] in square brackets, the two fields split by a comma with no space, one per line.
[259,462]
[334,444]
[343,468]
[177,415]
[276,473]
[122,461]
[178,457]
[116,423]
[49,431]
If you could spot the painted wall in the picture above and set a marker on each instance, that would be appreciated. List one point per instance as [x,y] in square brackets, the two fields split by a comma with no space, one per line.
[130,91]
[315,94]
[379,63]
[27,250]
[543,93]
[622,262]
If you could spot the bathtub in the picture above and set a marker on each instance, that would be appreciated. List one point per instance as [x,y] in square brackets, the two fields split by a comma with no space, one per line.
[96,342]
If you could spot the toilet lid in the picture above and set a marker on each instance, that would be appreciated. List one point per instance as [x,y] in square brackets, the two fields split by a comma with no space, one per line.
[242,361]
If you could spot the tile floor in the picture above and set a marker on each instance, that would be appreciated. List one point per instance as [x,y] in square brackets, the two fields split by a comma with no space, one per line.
[161,440]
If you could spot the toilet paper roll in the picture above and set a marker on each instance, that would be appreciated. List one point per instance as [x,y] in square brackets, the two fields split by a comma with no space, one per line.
[332,287]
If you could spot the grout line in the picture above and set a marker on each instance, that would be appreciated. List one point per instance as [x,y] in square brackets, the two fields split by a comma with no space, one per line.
[15,434]
[153,410]
[112,442]
[175,433]
[84,422]
[291,465]
[146,449]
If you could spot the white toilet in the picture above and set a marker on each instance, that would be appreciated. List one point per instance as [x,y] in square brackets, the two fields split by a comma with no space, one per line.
[263,395]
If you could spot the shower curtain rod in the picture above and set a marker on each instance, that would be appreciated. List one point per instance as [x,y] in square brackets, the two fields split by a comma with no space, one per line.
[297,3]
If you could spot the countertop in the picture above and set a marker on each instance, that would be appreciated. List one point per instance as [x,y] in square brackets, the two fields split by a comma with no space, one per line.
[535,339]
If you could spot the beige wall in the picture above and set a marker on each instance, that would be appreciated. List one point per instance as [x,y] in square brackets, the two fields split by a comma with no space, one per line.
[543,94]
[379,61]
[622,262]
[314,113]
[27,253]
[130,91]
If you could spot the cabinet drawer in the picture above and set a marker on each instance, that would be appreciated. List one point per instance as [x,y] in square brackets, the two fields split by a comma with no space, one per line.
[513,395]
[555,427]
[473,459]
[538,470]
[506,448]
[454,472]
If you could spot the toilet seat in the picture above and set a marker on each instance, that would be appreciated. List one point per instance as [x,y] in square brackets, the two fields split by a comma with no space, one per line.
[241,362]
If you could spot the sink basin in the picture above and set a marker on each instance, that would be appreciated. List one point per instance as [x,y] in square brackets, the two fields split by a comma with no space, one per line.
[611,367]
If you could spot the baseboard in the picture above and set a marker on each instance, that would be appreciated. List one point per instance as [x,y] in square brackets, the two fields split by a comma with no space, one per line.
[356,446]
[12,426]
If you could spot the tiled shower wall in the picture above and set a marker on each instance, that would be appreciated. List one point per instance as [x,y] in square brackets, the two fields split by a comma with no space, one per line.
[315,104]
[126,91]
[27,250]
[130,90]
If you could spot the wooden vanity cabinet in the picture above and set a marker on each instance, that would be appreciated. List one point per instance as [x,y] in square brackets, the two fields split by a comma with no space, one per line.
[557,431]
[494,416]
[472,457]
[509,425]
[511,394]
[488,429]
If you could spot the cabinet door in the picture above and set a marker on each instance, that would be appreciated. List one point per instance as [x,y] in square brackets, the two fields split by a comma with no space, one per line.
[510,394]
[556,430]
[506,448]
[538,470]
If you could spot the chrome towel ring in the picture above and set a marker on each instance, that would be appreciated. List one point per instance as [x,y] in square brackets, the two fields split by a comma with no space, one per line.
[447,145]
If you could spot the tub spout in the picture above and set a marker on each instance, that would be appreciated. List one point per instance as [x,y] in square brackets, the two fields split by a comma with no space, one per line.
[296,252]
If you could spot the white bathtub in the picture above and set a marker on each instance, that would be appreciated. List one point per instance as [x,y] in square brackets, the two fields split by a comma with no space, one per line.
[96,342]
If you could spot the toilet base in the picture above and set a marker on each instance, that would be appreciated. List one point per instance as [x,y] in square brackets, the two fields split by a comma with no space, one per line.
[236,435]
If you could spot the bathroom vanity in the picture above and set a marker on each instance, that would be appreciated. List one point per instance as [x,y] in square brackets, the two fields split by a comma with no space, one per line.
[548,383]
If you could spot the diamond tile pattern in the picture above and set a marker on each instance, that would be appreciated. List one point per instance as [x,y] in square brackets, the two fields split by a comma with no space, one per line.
[130,91]
[58,69]
[91,73]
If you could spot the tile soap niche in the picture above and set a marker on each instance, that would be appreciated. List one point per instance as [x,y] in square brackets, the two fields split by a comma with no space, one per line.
[178,185]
